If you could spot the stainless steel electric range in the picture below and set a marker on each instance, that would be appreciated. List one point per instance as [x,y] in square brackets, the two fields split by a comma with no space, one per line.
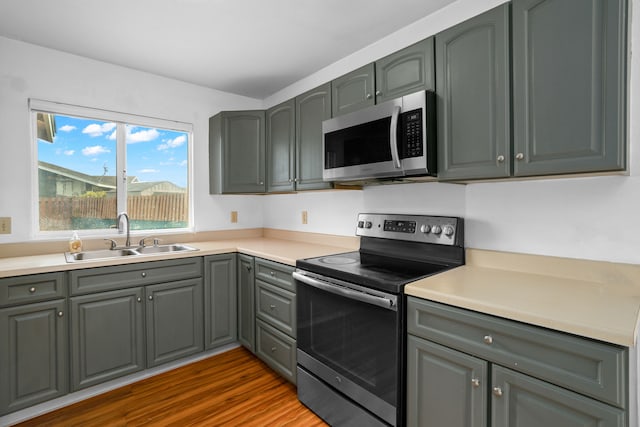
[351,316]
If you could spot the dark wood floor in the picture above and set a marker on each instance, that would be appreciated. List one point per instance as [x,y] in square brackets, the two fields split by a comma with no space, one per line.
[229,389]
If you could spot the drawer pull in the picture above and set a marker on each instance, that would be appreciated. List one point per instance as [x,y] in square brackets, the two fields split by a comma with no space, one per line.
[272,307]
[273,273]
[488,339]
[273,349]
[32,290]
[60,314]
[497,391]
[475,382]
[150,297]
[139,299]
[144,274]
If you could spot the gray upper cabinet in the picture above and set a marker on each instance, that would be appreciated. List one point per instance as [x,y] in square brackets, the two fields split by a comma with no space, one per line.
[353,91]
[312,108]
[220,299]
[569,86]
[281,147]
[237,152]
[406,71]
[472,61]
[33,354]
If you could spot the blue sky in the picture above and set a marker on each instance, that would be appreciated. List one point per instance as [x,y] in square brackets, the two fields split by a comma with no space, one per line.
[89,146]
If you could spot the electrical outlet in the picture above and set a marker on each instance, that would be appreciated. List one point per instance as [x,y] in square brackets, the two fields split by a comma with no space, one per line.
[305,217]
[5,225]
[234,216]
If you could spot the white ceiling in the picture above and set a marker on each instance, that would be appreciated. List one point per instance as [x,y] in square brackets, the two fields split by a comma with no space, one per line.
[247,47]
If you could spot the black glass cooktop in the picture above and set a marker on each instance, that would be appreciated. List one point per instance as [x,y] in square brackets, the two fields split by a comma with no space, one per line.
[384,273]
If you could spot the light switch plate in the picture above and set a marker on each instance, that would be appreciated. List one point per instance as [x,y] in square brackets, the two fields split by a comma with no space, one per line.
[305,217]
[5,225]
[234,216]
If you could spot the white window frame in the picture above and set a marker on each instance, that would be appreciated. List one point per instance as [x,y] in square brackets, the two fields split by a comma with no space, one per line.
[121,120]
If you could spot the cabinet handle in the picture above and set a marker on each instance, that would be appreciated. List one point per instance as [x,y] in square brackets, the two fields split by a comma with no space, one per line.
[273,273]
[261,182]
[378,93]
[150,297]
[272,307]
[60,314]
[368,96]
[273,349]
[519,156]
[497,391]
[248,268]
[144,274]
[290,180]
[500,158]
[488,339]
[475,382]
[32,289]
[295,179]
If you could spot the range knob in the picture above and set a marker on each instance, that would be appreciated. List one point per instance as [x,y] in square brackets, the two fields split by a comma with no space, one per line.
[425,228]
[360,224]
[436,229]
[368,224]
[448,230]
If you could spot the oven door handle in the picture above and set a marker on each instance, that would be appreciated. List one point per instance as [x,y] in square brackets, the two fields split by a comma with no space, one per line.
[345,292]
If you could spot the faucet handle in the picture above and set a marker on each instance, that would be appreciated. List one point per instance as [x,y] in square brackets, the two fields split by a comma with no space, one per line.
[112,243]
[155,241]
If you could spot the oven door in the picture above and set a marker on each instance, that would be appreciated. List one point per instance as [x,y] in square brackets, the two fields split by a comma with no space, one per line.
[349,337]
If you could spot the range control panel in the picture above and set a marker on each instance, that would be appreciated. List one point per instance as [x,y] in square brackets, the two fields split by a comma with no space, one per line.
[414,228]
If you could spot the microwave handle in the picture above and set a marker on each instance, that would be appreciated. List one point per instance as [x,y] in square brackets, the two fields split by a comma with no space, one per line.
[393,137]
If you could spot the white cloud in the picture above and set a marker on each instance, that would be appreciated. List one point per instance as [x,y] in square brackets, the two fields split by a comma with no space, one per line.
[112,136]
[69,152]
[148,171]
[183,163]
[95,129]
[173,143]
[142,136]
[67,128]
[95,150]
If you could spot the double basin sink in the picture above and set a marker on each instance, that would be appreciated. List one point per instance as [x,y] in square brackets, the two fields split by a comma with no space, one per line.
[126,252]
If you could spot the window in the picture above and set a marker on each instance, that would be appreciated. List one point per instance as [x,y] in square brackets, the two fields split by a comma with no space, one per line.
[93,164]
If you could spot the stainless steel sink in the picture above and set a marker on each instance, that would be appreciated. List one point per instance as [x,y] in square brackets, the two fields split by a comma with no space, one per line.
[126,252]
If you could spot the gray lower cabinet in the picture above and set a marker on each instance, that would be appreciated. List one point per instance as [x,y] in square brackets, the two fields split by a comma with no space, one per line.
[107,336]
[473,103]
[246,304]
[33,353]
[237,152]
[281,147]
[353,91]
[406,71]
[312,108]
[569,86]
[174,320]
[220,300]
[469,369]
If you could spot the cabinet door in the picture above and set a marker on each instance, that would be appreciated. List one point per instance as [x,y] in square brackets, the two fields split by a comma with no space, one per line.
[175,320]
[246,304]
[522,401]
[33,354]
[444,387]
[312,108]
[237,152]
[281,147]
[406,71]
[107,339]
[221,321]
[569,85]
[353,91]
[472,61]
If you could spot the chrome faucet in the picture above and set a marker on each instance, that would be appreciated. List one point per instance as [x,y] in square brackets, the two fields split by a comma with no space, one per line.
[120,215]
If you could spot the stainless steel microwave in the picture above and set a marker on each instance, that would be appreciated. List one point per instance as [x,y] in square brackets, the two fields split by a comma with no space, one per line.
[393,139]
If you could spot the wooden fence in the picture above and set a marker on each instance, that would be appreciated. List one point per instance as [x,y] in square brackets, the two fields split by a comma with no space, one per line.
[57,212]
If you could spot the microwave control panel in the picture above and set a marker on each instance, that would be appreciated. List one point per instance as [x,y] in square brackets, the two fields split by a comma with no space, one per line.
[412,137]
[414,228]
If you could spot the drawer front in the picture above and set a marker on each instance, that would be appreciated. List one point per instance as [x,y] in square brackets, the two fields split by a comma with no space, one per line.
[588,367]
[275,273]
[132,275]
[33,288]
[276,349]
[277,307]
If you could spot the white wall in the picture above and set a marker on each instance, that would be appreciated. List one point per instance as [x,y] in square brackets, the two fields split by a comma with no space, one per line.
[28,71]
[595,218]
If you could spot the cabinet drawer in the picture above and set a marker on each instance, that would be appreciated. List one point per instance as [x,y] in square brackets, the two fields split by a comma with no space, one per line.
[34,288]
[276,349]
[275,273]
[277,307]
[589,367]
[132,275]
